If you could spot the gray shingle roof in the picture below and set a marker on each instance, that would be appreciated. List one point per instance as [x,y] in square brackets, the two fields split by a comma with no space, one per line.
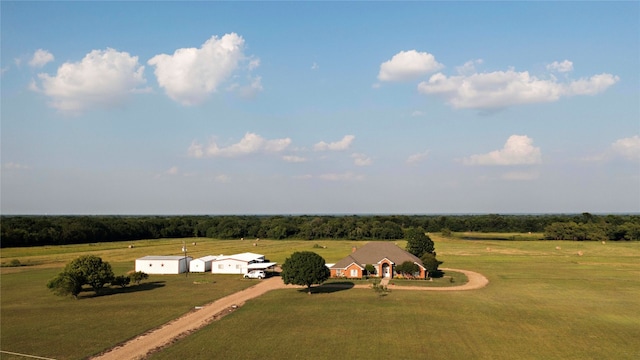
[375,251]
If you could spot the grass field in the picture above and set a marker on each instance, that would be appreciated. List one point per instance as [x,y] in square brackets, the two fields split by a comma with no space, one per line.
[544,301]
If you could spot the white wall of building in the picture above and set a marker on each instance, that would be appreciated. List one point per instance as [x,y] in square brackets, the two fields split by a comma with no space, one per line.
[163,264]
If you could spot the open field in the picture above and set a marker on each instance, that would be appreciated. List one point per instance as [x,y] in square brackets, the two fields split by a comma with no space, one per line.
[542,302]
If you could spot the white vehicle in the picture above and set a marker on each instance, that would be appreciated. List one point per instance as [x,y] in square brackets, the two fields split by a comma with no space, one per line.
[255,274]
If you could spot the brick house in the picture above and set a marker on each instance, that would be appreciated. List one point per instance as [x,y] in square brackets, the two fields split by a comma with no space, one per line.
[384,256]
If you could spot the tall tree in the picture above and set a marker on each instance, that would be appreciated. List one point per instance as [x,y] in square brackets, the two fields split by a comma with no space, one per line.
[418,242]
[85,270]
[305,268]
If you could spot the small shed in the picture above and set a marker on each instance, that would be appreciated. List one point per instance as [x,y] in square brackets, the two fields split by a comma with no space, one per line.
[202,264]
[163,264]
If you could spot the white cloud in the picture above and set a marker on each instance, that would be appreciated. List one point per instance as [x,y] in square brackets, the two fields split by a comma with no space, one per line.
[349,176]
[335,146]
[518,150]
[41,58]
[250,144]
[190,75]
[628,148]
[315,66]
[103,78]
[408,65]
[417,113]
[361,159]
[4,70]
[173,170]
[469,67]
[565,66]
[500,89]
[294,159]
[416,158]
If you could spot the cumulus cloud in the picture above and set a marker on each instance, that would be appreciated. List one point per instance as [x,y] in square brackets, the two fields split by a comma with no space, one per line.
[172,171]
[501,89]
[103,78]
[518,150]
[361,159]
[41,58]
[562,67]
[408,65]
[294,159]
[628,148]
[335,146]
[418,157]
[250,144]
[190,75]
[315,66]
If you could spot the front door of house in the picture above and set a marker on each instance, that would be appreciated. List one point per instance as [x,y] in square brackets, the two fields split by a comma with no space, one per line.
[386,271]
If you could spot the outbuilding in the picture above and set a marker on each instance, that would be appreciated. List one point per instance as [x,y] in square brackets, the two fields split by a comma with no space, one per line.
[202,264]
[239,263]
[163,264]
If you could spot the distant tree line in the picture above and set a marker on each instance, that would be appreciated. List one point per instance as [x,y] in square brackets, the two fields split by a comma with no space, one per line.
[58,230]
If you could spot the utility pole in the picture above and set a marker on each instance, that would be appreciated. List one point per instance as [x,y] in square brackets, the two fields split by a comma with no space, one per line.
[186,264]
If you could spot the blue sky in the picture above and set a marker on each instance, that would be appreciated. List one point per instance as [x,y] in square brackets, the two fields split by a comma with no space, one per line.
[320,107]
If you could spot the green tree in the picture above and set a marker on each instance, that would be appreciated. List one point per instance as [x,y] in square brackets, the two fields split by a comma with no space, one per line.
[407,268]
[66,284]
[430,262]
[371,270]
[138,276]
[92,270]
[418,242]
[121,280]
[87,269]
[305,268]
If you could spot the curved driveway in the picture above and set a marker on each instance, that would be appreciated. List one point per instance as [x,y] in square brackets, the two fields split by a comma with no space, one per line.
[139,347]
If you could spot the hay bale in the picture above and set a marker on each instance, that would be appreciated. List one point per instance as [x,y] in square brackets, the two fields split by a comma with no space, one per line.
[558,248]
[580,253]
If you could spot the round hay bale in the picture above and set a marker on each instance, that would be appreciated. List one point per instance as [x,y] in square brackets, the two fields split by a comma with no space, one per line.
[558,248]
[580,253]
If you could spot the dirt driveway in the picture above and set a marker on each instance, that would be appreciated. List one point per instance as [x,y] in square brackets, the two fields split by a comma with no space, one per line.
[141,346]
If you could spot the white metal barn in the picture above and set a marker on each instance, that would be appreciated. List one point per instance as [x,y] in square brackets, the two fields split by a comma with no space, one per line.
[239,263]
[202,264]
[163,264]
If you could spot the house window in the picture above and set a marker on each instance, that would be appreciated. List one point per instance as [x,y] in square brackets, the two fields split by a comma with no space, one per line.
[338,272]
[354,272]
[237,266]
[220,266]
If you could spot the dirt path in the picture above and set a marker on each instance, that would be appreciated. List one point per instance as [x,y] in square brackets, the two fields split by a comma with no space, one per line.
[141,346]
[476,281]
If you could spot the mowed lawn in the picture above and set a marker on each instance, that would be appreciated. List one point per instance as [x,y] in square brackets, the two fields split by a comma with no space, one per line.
[544,301]
[36,322]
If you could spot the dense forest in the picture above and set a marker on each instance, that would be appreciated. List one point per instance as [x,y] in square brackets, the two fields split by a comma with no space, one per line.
[58,230]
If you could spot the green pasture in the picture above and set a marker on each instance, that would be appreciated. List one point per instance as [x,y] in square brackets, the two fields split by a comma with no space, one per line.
[544,300]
